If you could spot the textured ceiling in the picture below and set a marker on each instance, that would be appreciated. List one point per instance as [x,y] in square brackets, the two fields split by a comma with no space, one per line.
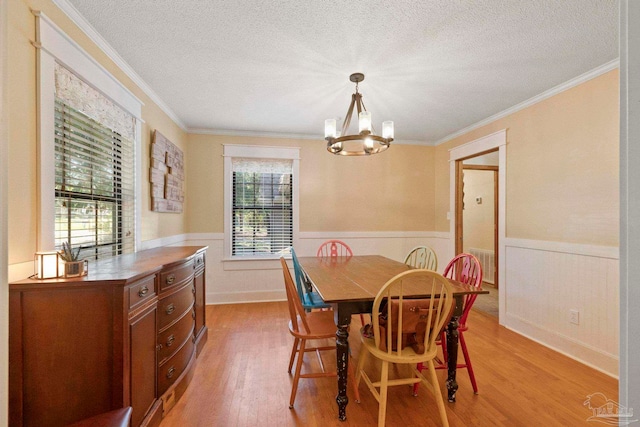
[282,67]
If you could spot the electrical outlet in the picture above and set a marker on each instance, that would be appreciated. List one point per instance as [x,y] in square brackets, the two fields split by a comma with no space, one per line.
[574,317]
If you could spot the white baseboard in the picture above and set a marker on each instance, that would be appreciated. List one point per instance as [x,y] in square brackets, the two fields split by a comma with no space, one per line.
[592,357]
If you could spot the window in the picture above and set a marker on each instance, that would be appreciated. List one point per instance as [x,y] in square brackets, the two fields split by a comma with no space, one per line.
[93,185]
[262,208]
[261,214]
[89,128]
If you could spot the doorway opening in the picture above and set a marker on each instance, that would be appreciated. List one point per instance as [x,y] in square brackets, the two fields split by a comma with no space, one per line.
[457,156]
[477,219]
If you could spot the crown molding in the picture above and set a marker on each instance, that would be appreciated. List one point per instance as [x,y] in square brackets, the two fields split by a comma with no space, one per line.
[226,132]
[611,65]
[77,18]
[260,134]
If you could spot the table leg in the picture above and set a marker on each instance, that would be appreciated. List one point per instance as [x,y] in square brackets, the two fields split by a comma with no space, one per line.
[342,319]
[452,350]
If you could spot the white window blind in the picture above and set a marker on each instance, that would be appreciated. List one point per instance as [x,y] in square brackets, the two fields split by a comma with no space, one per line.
[94,172]
[262,209]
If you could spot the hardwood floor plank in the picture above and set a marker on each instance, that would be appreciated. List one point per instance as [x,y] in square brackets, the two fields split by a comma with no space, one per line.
[241,379]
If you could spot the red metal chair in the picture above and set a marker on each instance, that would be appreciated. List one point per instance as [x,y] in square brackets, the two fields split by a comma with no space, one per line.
[333,249]
[464,268]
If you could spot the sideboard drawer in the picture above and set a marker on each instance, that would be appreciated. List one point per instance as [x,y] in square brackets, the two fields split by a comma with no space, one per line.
[176,275]
[173,368]
[142,291]
[171,307]
[170,340]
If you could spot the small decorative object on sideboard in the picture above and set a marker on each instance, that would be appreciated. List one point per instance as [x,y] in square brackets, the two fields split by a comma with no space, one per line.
[72,266]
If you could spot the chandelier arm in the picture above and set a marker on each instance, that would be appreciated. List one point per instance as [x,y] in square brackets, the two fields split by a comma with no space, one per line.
[359,103]
[347,118]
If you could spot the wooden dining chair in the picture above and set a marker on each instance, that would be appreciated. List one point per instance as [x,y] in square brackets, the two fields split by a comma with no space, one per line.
[435,314]
[333,249]
[467,269]
[310,299]
[422,257]
[304,326]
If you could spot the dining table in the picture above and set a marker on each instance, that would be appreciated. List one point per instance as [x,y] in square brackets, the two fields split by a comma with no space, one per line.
[350,284]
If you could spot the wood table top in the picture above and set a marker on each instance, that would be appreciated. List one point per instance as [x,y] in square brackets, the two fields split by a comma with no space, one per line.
[359,278]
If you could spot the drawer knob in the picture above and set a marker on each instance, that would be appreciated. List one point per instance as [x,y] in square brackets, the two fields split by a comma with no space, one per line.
[170,279]
[170,308]
[170,340]
[193,314]
[143,291]
[193,290]
[170,372]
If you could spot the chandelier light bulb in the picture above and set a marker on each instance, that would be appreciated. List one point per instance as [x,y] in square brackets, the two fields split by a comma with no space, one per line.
[387,129]
[364,121]
[368,145]
[330,128]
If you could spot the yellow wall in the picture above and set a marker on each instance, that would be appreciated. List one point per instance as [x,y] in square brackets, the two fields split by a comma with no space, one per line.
[477,219]
[562,166]
[392,191]
[21,99]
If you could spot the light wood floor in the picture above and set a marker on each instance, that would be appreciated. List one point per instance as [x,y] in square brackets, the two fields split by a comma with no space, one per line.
[241,379]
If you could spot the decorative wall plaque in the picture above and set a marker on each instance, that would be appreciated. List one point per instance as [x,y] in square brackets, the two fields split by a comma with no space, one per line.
[166,175]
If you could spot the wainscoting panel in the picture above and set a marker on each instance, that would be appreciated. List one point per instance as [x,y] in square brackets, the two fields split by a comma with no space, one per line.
[255,281]
[542,283]
[566,297]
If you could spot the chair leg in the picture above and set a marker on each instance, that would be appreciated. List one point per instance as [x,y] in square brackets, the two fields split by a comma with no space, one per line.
[384,383]
[362,320]
[437,393]
[352,379]
[296,376]
[467,361]
[419,367]
[293,353]
[363,356]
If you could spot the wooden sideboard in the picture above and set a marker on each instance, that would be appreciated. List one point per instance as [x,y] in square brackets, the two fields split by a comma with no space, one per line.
[127,334]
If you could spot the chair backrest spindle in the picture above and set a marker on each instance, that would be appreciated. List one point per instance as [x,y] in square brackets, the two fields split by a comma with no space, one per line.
[334,249]
[467,269]
[422,257]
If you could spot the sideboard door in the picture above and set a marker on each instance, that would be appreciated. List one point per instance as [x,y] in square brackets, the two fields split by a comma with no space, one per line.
[142,344]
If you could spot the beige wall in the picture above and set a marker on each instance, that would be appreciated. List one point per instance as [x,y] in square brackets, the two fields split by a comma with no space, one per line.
[562,166]
[393,191]
[21,98]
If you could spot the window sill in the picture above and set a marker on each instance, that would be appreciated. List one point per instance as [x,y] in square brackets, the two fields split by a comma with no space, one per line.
[252,263]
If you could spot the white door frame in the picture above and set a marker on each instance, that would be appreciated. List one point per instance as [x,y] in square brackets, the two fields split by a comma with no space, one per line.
[470,149]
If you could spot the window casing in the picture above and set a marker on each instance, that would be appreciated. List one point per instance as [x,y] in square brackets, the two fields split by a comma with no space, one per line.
[69,75]
[261,193]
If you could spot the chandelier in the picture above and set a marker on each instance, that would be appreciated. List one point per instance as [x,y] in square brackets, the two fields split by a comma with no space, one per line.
[363,143]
